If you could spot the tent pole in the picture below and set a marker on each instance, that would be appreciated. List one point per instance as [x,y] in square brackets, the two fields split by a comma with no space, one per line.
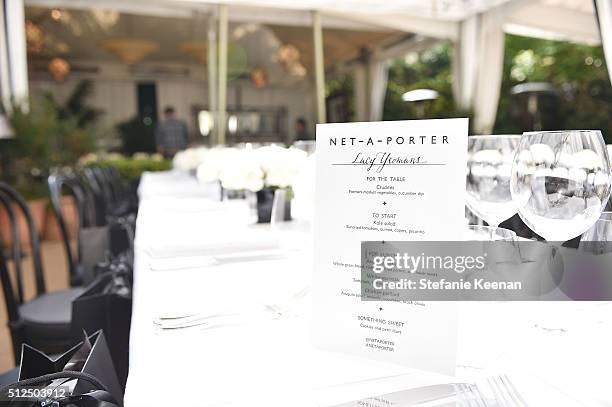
[222,80]
[212,68]
[5,83]
[603,12]
[18,63]
[317,31]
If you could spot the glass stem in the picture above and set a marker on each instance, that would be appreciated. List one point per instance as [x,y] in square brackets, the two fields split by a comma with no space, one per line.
[492,230]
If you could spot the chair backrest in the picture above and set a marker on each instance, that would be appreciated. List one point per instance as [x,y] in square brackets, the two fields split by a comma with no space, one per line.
[85,216]
[15,248]
[108,188]
[11,200]
[12,305]
[99,195]
[117,181]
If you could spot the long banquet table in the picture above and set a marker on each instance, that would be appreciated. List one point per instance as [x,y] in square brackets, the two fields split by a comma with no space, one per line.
[255,360]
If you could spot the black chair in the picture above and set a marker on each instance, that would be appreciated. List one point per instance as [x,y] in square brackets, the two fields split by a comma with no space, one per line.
[43,322]
[118,205]
[120,201]
[100,194]
[86,217]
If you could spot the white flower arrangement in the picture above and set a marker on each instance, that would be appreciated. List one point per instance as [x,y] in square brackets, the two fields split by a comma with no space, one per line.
[188,160]
[209,170]
[247,169]
[241,170]
[280,165]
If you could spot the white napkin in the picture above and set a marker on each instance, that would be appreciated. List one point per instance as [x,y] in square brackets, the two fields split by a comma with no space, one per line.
[211,240]
[198,262]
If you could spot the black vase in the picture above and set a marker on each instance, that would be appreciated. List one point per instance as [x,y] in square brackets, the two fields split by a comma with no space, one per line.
[265,201]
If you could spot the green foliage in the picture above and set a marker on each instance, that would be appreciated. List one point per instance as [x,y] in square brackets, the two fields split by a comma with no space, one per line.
[577,71]
[47,135]
[342,85]
[131,168]
[76,106]
[429,69]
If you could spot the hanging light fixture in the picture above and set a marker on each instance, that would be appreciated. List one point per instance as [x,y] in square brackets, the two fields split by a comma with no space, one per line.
[197,50]
[56,14]
[259,78]
[35,37]
[130,51]
[289,57]
[106,19]
[59,68]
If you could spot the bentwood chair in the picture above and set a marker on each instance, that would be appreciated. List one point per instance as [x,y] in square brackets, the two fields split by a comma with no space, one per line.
[120,205]
[44,321]
[119,200]
[86,218]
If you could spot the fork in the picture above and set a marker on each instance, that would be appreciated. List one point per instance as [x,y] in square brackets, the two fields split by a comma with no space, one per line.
[469,395]
[505,393]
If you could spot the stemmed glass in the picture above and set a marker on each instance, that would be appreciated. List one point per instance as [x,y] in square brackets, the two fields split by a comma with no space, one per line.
[488,233]
[598,239]
[560,182]
[488,177]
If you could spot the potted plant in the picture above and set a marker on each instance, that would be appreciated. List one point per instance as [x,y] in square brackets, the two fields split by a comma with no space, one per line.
[47,136]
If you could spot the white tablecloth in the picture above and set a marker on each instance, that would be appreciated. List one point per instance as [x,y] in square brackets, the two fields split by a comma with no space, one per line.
[270,361]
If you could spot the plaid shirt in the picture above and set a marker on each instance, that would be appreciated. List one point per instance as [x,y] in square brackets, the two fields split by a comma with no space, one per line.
[171,135]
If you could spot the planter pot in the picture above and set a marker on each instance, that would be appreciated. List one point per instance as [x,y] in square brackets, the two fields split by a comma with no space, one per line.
[52,229]
[38,209]
[265,202]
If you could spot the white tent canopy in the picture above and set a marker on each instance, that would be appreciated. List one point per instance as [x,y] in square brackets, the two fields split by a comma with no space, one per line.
[475,26]
[571,20]
[604,13]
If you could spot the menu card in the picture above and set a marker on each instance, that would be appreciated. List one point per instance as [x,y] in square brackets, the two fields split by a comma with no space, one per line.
[396,180]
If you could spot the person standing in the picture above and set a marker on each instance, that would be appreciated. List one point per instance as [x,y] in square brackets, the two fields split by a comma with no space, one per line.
[301,130]
[171,135]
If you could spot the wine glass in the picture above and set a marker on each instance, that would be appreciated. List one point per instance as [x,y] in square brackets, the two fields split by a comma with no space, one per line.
[488,233]
[598,239]
[280,207]
[560,182]
[488,177]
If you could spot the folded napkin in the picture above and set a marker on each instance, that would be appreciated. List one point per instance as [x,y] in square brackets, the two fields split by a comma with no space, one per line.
[198,262]
[196,204]
[195,238]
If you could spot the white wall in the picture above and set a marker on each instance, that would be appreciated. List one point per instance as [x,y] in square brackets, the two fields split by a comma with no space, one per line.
[115,91]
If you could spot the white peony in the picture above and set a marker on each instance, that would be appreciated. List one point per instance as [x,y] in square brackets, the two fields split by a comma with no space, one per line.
[241,170]
[245,168]
[209,169]
[281,165]
[189,159]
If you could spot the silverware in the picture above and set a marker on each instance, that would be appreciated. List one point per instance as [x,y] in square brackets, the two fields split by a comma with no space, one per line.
[505,392]
[412,397]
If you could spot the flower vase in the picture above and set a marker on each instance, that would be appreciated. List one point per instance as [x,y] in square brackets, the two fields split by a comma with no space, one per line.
[265,203]
[265,200]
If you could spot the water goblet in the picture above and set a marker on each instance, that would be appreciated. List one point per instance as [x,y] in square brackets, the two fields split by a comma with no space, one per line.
[488,177]
[560,182]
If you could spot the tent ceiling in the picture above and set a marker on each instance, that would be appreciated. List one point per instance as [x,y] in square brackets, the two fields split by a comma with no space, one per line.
[78,35]
[339,45]
[572,20]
